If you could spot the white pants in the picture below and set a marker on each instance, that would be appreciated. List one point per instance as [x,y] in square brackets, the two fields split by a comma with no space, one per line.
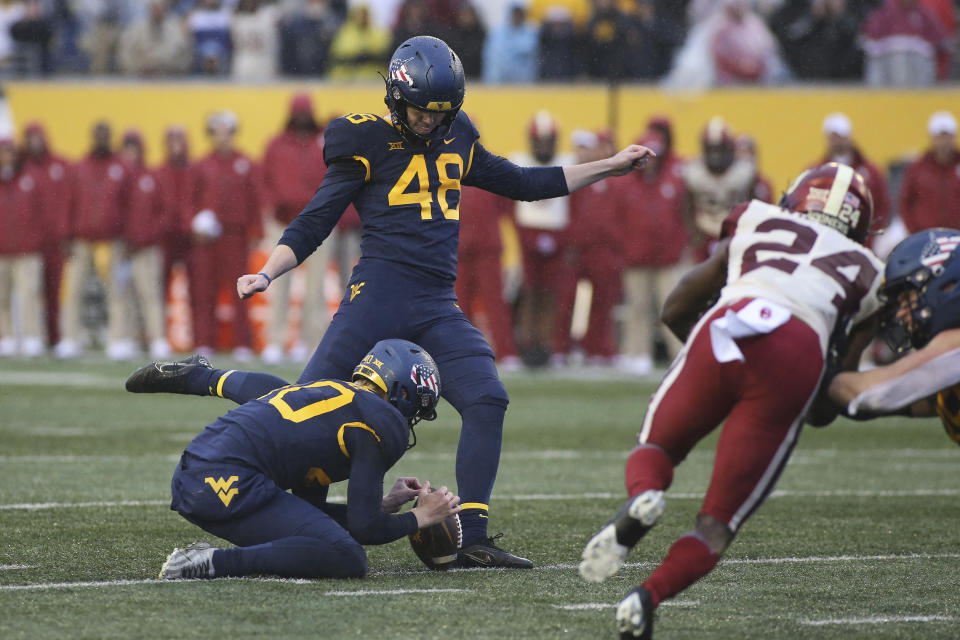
[314,317]
[148,293]
[646,288]
[80,267]
[21,277]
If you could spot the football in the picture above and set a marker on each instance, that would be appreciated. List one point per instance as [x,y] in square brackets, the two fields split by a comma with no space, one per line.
[438,544]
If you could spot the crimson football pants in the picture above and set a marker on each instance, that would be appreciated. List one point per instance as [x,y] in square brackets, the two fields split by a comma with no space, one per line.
[479,278]
[763,400]
[213,266]
[53,262]
[604,270]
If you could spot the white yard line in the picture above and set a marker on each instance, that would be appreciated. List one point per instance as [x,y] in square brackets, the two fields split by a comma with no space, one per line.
[391,592]
[787,560]
[875,620]
[44,586]
[58,379]
[551,567]
[586,606]
[36,506]
[73,585]
[536,497]
[81,459]
[13,567]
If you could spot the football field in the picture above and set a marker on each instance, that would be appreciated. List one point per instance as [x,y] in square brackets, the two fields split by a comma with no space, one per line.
[859,541]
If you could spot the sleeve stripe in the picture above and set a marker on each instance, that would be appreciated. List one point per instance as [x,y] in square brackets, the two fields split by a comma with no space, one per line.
[469,160]
[223,379]
[366,164]
[359,425]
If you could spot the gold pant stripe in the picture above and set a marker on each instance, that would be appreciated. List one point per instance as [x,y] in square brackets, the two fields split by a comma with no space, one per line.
[475,505]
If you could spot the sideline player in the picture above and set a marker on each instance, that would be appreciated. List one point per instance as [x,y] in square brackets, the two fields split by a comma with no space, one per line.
[923,312]
[786,277]
[403,175]
[232,479]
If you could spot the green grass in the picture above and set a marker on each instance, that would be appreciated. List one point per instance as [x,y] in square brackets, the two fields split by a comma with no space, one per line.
[865,527]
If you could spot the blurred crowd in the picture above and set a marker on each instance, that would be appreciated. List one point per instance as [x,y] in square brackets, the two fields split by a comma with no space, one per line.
[683,43]
[578,279]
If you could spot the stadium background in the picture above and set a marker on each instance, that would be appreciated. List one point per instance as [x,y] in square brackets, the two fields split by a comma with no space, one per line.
[888,124]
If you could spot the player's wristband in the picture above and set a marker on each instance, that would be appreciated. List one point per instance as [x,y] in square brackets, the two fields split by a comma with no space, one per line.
[269,279]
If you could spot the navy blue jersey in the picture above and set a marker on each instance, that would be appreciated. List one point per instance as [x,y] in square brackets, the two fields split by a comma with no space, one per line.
[301,436]
[408,195]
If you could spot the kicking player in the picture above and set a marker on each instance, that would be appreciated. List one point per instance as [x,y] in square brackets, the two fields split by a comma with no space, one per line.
[403,174]
[232,479]
[785,277]
[923,313]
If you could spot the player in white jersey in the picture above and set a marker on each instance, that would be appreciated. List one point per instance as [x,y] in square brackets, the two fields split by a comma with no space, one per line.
[542,230]
[783,279]
[715,182]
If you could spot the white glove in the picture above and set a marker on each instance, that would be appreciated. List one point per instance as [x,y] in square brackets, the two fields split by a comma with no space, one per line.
[206,224]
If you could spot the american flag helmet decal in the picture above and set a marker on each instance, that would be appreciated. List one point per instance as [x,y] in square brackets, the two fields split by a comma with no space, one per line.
[398,72]
[936,252]
[423,376]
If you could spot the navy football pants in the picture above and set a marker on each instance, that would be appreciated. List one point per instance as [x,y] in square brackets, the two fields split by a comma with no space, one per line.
[389,300]
[277,533]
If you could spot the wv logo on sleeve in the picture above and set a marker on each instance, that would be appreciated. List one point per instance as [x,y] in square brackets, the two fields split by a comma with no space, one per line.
[224,488]
[355,290]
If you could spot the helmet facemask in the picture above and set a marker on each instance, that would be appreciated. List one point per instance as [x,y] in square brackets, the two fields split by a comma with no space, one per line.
[397,105]
[426,74]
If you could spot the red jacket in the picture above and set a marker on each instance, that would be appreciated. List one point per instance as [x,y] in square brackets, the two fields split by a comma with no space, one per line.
[54,185]
[228,186]
[176,185]
[930,193]
[652,227]
[24,229]
[100,192]
[595,217]
[293,168]
[480,213]
[145,215]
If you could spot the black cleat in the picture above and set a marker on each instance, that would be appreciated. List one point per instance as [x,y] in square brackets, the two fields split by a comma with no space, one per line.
[166,377]
[635,615]
[487,555]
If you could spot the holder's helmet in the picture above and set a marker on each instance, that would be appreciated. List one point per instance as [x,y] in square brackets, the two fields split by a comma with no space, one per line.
[406,374]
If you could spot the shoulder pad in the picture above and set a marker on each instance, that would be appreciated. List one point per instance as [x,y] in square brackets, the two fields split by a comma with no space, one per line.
[347,136]
[729,225]
[463,120]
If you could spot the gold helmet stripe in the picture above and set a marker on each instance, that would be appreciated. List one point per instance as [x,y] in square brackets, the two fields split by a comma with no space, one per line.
[370,374]
[839,189]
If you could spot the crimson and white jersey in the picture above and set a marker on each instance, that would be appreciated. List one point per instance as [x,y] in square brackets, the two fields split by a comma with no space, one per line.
[713,195]
[552,214]
[813,271]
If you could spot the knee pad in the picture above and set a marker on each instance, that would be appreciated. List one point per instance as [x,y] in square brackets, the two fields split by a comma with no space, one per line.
[485,391]
[352,561]
[716,533]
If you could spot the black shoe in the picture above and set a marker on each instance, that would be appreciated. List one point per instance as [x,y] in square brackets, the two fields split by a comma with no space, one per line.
[166,377]
[487,555]
[635,615]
